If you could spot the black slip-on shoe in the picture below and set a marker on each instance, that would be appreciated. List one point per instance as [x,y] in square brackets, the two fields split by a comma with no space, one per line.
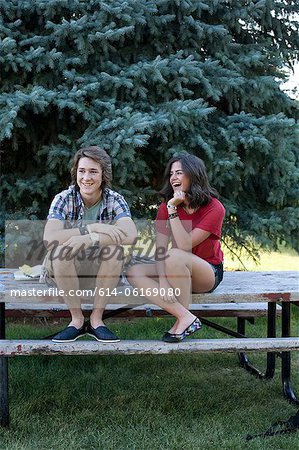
[168,337]
[69,334]
[192,328]
[101,334]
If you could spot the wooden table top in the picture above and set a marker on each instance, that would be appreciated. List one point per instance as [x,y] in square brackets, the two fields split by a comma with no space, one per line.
[236,286]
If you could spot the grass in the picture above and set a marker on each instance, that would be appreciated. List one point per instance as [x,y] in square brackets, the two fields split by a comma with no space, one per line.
[148,402]
[286,259]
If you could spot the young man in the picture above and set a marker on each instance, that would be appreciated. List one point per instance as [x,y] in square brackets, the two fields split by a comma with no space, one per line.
[95,247]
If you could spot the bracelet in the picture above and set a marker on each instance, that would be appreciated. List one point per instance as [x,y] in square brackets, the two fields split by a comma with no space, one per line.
[173,216]
[83,230]
[171,207]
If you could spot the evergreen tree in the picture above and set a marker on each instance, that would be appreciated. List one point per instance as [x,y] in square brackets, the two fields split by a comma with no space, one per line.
[145,79]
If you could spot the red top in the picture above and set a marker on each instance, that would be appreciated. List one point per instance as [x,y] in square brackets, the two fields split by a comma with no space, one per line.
[207,218]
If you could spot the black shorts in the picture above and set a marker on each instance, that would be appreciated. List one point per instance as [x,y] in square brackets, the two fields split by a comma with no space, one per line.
[218,270]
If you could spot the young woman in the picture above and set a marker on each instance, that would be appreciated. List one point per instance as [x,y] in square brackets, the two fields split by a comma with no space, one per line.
[191,217]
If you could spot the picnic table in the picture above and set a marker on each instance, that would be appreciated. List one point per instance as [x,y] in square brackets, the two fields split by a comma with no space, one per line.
[278,290]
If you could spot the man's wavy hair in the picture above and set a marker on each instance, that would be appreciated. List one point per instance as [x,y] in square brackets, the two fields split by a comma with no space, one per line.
[200,192]
[98,155]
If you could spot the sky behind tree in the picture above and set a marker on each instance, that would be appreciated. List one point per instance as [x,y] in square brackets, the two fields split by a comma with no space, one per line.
[293,83]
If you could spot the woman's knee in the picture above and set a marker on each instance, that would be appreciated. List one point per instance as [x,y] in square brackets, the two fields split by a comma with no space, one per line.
[133,272]
[141,271]
[175,258]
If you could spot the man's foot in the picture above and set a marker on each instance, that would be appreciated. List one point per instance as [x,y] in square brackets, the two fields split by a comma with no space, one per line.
[101,334]
[69,334]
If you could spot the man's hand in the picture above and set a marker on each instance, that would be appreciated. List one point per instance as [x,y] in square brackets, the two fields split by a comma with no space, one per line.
[115,233]
[76,243]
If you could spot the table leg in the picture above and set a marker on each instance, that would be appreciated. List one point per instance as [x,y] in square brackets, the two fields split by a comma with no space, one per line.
[4,400]
[286,356]
[271,332]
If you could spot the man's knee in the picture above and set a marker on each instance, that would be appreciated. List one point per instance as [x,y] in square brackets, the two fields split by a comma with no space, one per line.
[112,256]
[60,260]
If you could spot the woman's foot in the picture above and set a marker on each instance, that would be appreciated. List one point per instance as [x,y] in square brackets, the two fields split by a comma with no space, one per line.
[184,323]
[173,328]
[192,328]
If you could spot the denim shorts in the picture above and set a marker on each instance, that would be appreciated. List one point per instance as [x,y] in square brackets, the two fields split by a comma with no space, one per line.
[218,270]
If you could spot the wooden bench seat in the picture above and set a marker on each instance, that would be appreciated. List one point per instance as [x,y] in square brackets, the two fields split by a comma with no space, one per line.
[145,347]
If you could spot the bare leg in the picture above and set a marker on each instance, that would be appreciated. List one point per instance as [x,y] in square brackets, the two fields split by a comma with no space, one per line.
[67,280]
[185,272]
[188,273]
[107,279]
[145,276]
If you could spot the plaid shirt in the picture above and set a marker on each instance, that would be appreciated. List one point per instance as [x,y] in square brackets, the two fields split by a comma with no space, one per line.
[68,206]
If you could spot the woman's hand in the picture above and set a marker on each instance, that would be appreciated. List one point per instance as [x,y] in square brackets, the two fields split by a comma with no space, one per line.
[178,198]
[166,291]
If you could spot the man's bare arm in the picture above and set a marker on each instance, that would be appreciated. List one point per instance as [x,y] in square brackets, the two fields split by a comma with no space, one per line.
[55,232]
[123,232]
[127,225]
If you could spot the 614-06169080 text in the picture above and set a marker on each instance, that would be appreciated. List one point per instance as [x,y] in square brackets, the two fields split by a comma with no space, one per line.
[142,292]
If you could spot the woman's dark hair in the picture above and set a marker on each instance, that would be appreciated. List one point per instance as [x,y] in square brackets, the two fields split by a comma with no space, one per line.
[98,155]
[200,191]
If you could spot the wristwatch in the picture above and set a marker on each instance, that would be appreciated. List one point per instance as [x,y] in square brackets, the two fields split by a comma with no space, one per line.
[83,230]
[171,207]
